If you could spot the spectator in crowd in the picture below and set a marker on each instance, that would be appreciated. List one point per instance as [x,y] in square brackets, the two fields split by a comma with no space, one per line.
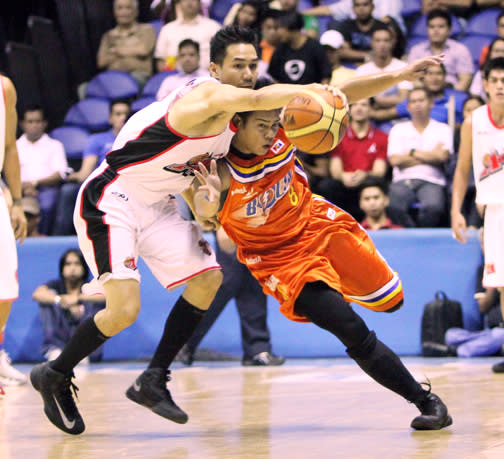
[418,150]
[129,45]
[332,41]
[62,305]
[343,9]
[188,62]
[496,49]
[361,153]
[457,58]
[251,303]
[383,61]
[247,14]
[298,59]
[358,32]
[310,22]
[270,35]
[43,165]
[373,201]
[500,34]
[192,25]
[94,153]
[31,209]
[447,102]
[457,7]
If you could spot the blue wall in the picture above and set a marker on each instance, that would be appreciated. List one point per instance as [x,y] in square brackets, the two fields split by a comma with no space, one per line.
[427,260]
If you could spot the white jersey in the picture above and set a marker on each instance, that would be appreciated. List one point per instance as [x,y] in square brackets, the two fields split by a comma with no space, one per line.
[488,157]
[152,160]
[2,123]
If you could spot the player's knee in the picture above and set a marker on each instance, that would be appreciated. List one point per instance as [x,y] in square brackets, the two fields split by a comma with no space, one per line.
[363,349]
[396,307]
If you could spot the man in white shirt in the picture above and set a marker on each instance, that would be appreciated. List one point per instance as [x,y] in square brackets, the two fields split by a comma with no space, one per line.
[190,25]
[383,61]
[417,150]
[188,61]
[43,165]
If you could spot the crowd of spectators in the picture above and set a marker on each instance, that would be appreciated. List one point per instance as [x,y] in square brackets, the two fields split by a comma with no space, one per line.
[406,138]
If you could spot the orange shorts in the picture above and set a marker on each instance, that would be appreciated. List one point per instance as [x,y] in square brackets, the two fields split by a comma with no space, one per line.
[332,248]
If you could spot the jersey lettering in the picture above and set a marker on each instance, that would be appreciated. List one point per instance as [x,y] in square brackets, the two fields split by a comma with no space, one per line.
[267,200]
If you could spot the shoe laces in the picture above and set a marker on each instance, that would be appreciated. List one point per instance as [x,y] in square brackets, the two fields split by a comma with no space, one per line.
[64,394]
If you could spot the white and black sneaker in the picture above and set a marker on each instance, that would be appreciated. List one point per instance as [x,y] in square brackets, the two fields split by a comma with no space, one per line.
[263,359]
[9,376]
[59,404]
[149,390]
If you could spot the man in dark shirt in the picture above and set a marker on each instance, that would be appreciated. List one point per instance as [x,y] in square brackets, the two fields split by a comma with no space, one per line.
[298,59]
[373,202]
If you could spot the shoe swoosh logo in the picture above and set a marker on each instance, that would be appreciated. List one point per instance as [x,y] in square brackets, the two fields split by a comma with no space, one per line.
[68,424]
[137,386]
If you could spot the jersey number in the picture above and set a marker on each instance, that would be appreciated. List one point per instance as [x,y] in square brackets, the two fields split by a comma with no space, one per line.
[293,196]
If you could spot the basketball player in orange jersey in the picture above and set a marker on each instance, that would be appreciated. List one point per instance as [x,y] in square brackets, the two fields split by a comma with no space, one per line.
[126,209]
[482,148]
[13,225]
[310,255]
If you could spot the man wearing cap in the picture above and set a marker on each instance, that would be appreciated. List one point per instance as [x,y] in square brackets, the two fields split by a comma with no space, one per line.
[332,41]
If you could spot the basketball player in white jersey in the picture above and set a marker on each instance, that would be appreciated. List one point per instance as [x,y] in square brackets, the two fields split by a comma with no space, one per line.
[482,148]
[12,226]
[126,209]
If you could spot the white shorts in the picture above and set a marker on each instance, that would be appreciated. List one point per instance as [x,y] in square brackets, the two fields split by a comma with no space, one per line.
[493,241]
[9,287]
[114,230]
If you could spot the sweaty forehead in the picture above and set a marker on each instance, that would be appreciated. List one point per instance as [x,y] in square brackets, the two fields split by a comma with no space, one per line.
[241,52]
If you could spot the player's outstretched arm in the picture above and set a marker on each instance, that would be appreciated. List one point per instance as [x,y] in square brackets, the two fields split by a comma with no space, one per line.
[460,181]
[370,85]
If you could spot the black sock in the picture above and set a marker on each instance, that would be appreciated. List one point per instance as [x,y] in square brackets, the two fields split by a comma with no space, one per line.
[385,367]
[180,325]
[83,342]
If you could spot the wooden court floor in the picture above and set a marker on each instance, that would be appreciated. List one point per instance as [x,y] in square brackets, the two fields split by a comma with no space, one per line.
[305,409]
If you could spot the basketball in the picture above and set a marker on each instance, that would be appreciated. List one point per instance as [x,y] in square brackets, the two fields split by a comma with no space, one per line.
[315,121]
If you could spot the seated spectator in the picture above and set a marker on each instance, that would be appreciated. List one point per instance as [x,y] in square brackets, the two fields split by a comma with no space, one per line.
[373,201]
[310,23]
[500,32]
[496,49]
[361,153]
[188,62]
[358,32]
[191,24]
[129,46]
[62,305]
[94,153]
[31,209]
[447,102]
[343,9]
[332,41]
[418,150]
[298,59]
[247,14]
[457,61]
[43,165]
[270,35]
[383,61]
[463,8]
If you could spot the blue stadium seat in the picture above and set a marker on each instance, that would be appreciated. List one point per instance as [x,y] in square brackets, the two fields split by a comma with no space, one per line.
[476,43]
[412,41]
[91,114]
[419,27]
[304,5]
[73,138]
[327,2]
[142,102]
[483,23]
[154,82]
[411,7]
[112,84]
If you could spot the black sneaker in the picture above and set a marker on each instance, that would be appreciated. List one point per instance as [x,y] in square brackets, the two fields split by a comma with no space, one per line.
[59,404]
[150,390]
[498,367]
[434,414]
[263,359]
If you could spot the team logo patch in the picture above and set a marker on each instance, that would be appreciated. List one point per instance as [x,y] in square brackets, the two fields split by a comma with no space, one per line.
[188,168]
[490,268]
[277,146]
[130,263]
[205,246]
[493,162]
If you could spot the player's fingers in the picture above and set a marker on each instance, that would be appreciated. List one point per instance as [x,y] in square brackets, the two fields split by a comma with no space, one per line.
[203,169]
[213,167]
[200,177]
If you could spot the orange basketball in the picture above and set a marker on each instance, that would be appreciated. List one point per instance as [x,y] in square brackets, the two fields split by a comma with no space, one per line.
[315,121]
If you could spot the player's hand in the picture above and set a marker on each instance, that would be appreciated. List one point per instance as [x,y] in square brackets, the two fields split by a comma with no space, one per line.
[209,180]
[208,224]
[416,69]
[459,227]
[18,221]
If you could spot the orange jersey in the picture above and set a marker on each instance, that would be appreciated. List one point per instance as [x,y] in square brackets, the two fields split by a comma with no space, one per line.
[287,236]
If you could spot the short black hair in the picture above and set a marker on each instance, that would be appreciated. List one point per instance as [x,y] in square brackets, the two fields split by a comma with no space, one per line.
[473,97]
[78,254]
[292,20]
[439,13]
[381,28]
[230,35]
[493,64]
[34,108]
[189,42]
[491,46]
[119,101]
[377,182]
[270,13]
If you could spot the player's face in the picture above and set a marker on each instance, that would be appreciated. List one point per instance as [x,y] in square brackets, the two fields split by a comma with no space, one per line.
[438,30]
[72,268]
[125,11]
[434,78]
[494,86]
[381,44]
[373,201]
[257,131]
[188,59]
[360,110]
[239,67]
